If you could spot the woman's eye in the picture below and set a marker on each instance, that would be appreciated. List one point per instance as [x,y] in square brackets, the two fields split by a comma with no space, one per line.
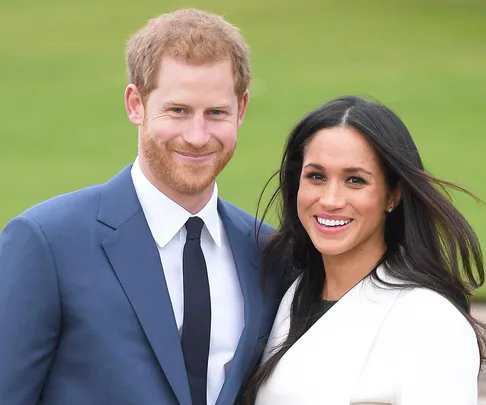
[315,176]
[356,180]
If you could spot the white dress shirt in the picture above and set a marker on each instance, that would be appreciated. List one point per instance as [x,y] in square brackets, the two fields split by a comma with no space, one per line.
[166,220]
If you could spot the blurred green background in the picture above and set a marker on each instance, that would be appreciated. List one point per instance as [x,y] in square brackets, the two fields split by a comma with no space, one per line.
[63,77]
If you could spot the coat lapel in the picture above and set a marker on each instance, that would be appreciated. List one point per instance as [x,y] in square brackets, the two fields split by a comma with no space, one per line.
[323,366]
[134,256]
[246,255]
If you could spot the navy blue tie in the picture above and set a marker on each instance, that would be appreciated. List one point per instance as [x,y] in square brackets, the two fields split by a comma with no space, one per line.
[196,328]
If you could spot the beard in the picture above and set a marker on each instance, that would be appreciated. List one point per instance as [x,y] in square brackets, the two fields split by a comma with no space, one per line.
[187,178]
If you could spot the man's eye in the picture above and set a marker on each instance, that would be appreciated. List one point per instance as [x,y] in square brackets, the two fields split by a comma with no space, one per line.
[177,110]
[215,112]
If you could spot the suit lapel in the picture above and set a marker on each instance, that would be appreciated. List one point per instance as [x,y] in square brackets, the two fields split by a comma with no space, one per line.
[323,366]
[135,259]
[246,255]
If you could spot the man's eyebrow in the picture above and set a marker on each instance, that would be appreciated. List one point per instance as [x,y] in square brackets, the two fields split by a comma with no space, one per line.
[171,103]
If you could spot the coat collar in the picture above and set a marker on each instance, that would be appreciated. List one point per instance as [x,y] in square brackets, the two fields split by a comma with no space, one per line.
[350,325]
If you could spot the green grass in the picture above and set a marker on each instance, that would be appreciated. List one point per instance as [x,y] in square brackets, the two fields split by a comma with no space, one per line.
[63,77]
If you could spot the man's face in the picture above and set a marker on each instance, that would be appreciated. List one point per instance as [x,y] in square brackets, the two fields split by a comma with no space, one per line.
[190,125]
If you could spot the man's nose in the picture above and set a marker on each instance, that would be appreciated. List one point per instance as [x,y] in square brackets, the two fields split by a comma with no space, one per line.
[196,133]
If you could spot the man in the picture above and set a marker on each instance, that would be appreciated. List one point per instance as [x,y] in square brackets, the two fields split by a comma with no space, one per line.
[145,290]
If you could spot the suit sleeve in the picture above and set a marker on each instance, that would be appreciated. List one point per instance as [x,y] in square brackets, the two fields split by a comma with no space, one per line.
[439,362]
[29,311]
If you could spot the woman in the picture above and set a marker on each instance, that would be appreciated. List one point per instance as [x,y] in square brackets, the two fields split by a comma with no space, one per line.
[384,268]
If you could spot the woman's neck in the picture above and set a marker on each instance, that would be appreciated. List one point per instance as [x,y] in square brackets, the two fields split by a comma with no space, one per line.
[344,271]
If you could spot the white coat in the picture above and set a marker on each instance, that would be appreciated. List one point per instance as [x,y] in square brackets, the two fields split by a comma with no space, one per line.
[376,345]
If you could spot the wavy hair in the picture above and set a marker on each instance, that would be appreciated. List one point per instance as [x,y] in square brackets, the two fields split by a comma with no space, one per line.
[429,242]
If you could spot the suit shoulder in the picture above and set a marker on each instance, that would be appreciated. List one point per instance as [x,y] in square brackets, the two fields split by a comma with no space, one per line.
[66,208]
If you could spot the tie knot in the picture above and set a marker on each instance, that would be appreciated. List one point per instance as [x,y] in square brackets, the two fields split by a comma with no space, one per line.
[194,227]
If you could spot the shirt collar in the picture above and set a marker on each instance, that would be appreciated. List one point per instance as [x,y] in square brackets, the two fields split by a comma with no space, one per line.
[165,217]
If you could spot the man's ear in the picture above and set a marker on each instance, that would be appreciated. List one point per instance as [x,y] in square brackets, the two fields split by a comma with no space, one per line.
[242,108]
[134,105]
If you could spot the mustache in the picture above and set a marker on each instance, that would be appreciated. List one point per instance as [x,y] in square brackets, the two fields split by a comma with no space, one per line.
[191,150]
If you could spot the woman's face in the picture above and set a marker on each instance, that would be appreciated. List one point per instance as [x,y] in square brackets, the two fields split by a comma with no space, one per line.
[343,196]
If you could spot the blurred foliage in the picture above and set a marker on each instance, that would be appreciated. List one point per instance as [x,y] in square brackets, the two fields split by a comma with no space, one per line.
[64,124]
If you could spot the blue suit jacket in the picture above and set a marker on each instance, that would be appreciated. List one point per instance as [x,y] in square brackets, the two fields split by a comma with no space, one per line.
[85,314]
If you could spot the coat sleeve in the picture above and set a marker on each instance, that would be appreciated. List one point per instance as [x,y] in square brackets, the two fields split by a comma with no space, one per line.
[439,357]
[29,311]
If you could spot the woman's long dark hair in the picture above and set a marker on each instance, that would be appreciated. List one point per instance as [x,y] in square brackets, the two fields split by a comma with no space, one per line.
[429,242]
